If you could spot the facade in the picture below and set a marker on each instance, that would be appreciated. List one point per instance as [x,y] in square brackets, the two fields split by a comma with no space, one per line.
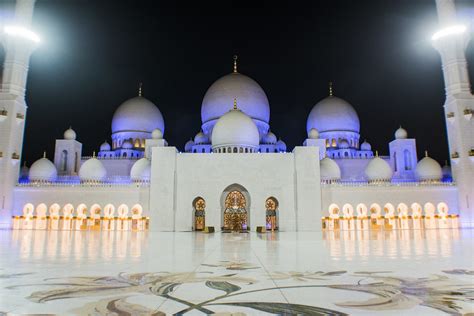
[235,173]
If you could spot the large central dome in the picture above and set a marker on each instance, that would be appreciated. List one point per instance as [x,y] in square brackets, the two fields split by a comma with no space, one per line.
[252,101]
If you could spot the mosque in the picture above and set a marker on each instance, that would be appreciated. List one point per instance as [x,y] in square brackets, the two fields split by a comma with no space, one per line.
[236,173]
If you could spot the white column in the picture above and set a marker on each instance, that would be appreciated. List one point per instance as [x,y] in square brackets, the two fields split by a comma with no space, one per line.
[458,99]
[12,99]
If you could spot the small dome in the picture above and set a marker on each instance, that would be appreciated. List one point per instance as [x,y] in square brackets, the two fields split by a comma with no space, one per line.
[137,115]
[365,146]
[201,138]
[218,99]
[344,144]
[428,169]
[313,133]
[105,146]
[333,114]
[330,170]
[235,128]
[401,133]
[270,138]
[92,170]
[281,145]
[157,134]
[70,134]
[141,170]
[127,145]
[43,170]
[188,147]
[378,170]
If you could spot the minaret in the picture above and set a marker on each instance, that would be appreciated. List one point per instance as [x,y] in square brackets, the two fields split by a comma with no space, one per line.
[18,42]
[451,42]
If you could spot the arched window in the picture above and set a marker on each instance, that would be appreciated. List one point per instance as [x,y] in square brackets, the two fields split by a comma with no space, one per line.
[327,143]
[407,158]
[395,161]
[76,161]
[333,143]
[241,150]
[64,160]
[235,149]
[246,150]
[268,150]
[124,155]
[223,150]
[229,150]
[346,154]
[203,150]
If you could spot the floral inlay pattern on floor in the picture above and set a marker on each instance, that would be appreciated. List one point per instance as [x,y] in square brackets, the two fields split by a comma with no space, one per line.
[388,292]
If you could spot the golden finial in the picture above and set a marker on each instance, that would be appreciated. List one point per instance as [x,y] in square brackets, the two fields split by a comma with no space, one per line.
[426,153]
[330,88]
[93,154]
[235,103]
[140,89]
[44,154]
[376,153]
[235,63]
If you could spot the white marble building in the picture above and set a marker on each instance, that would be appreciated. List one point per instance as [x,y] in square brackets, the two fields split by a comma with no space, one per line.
[235,166]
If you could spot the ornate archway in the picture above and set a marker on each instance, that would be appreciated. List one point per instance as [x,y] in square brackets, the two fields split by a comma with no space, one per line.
[235,211]
[199,209]
[271,206]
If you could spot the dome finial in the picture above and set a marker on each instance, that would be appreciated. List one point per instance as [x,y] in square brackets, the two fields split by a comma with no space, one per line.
[44,154]
[140,89]
[376,153]
[235,103]
[426,153]
[235,63]
[330,88]
[93,154]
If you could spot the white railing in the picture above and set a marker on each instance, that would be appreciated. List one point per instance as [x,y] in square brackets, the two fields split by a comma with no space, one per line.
[387,184]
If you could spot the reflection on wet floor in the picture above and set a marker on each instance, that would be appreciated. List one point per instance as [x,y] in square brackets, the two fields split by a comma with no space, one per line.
[77,245]
[391,244]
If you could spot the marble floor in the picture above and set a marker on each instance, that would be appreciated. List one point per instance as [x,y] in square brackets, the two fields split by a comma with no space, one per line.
[146,273]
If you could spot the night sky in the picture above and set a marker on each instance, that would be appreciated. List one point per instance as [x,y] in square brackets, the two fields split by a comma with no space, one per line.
[377,53]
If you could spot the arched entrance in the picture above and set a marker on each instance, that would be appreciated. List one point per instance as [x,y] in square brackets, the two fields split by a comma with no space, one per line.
[199,209]
[271,206]
[235,208]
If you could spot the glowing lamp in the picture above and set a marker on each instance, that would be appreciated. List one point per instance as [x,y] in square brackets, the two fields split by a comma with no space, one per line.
[21,32]
[451,30]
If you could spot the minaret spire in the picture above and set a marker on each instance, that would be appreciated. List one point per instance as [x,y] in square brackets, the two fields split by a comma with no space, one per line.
[330,88]
[140,89]
[235,103]
[235,63]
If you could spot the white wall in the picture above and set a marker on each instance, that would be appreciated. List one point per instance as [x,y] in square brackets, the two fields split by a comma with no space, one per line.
[208,175]
[178,178]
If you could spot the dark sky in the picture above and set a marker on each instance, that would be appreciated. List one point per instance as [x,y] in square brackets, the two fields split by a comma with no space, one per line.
[377,53]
